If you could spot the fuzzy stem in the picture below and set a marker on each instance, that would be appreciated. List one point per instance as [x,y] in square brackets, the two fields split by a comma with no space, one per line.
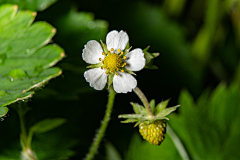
[101,131]
[144,100]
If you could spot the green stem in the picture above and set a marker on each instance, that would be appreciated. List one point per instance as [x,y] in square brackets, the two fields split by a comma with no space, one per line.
[178,144]
[101,131]
[23,134]
[27,153]
[144,100]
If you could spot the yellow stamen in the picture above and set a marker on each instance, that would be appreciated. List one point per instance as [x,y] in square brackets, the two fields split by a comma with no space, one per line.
[124,57]
[100,59]
[125,64]
[117,74]
[101,67]
[112,49]
[122,70]
[119,50]
[106,72]
[108,52]
[122,53]
[117,69]
[103,53]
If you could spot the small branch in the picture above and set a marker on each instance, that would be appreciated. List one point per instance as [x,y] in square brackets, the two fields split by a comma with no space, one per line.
[144,100]
[101,131]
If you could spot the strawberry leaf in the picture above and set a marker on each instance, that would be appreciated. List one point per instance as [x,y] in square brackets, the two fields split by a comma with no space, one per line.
[25,62]
[36,5]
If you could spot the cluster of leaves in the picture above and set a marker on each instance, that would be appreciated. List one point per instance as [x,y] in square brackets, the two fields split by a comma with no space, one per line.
[207,128]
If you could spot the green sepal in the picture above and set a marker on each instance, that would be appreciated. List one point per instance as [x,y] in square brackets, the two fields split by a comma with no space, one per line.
[167,111]
[104,46]
[110,78]
[152,105]
[128,71]
[161,106]
[131,116]
[98,65]
[138,123]
[149,58]
[129,121]
[126,51]
[128,46]
[138,109]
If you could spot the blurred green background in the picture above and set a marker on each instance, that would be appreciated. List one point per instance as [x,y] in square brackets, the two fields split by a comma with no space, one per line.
[198,67]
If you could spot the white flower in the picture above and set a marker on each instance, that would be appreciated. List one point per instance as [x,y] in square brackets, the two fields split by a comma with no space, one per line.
[114,64]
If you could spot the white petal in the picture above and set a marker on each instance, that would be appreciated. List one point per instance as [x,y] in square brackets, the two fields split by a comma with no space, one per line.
[96,77]
[135,60]
[124,83]
[92,52]
[117,40]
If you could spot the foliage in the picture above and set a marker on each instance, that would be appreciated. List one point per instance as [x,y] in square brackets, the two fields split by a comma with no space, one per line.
[26,63]
[198,42]
[35,5]
[208,127]
[141,150]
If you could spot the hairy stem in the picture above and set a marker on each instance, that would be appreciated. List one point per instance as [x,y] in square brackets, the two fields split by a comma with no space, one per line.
[144,100]
[102,129]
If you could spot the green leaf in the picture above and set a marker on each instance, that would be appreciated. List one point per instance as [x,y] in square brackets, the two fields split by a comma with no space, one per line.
[141,150]
[203,42]
[152,105]
[209,121]
[36,5]
[25,61]
[111,152]
[47,125]
[3,111]
[167,111]
[161,106]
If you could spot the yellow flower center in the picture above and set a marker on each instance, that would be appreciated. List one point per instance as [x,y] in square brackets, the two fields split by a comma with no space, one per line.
[112,62]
